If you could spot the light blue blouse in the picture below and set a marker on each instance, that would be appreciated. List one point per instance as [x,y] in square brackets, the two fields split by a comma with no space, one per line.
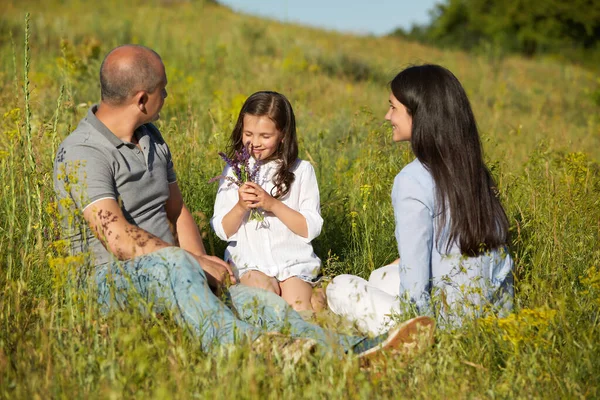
[430,277]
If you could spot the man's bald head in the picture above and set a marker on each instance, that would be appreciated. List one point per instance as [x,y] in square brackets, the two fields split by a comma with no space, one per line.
[128,69]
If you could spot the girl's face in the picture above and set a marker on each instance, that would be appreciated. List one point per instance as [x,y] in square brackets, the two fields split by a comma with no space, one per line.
[262,134]
[400,119]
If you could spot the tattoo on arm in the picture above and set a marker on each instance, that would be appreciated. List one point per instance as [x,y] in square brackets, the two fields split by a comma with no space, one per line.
[139,236]
[103,230]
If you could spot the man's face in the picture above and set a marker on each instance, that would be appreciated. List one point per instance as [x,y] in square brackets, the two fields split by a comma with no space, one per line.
[156,99]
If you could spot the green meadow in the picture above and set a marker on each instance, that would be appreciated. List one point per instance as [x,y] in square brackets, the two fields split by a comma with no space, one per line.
[540,126]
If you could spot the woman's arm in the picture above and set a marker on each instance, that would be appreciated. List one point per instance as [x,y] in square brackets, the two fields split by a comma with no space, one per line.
[414,234]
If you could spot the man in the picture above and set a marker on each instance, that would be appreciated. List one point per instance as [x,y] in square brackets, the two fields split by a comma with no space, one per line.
[115,170]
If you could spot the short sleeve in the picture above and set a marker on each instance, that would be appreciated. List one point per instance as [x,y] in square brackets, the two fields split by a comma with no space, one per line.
[310,202]
[414,234]
[171,175]
[84,173]
[164,149]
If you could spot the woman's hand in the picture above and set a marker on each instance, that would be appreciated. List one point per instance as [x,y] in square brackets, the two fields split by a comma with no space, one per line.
[258,197]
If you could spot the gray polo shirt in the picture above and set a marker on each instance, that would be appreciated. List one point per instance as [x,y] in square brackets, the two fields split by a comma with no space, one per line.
[93,164]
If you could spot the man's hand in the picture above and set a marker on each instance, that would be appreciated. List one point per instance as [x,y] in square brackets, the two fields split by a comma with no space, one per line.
[218,272]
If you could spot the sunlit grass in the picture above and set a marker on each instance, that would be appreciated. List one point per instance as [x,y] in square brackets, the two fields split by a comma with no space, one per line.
[541,129]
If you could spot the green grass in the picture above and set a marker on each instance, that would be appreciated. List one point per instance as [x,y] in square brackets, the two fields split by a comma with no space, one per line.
[541,131]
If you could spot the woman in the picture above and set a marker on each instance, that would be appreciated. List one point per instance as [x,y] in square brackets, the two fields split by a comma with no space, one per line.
[451,229]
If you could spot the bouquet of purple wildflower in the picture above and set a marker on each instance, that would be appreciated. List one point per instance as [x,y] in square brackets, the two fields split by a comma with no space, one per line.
[240,165]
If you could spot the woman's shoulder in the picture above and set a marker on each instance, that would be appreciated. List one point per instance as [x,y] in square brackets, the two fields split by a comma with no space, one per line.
[414,181]
[415,172]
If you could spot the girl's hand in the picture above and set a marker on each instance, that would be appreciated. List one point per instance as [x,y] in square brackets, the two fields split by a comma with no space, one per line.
[246,198]
[261,199]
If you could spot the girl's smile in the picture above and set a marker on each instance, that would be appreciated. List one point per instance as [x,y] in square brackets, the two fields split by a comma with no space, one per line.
[262,134]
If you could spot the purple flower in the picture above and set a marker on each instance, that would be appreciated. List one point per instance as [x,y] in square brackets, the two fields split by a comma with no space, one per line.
[254,173]
[240,165]
[233,164]
[227,178]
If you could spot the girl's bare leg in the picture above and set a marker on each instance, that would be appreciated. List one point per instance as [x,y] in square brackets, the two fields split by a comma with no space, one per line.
[259,280]
[297,293]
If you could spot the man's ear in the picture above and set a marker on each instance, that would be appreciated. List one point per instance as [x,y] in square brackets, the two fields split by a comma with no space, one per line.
[141,98]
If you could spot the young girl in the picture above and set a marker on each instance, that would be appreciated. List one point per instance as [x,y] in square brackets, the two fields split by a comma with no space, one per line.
[274,254]
[451,229]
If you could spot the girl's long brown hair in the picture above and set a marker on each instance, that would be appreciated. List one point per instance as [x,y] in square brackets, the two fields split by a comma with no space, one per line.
[277,107]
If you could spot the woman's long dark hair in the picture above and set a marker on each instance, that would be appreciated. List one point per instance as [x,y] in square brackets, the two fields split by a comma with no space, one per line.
[277,107]
[446,141]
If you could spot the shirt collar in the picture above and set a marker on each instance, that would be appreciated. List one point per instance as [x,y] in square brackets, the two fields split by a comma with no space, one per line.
[107,133]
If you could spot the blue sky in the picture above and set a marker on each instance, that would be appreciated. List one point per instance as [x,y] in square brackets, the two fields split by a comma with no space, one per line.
[376,17]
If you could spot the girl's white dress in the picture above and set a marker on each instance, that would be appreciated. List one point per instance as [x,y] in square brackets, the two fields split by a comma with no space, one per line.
[270,246]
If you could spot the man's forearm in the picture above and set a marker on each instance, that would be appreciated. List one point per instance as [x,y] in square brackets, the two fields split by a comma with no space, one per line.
[139,242]
[123,239]
[188,233]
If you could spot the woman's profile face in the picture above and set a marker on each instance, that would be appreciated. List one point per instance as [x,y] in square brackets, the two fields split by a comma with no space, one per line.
[400,119]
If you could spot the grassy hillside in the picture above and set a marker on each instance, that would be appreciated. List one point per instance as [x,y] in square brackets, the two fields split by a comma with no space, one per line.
[541,128]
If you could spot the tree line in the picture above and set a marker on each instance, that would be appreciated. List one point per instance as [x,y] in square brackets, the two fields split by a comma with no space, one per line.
[567,28]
